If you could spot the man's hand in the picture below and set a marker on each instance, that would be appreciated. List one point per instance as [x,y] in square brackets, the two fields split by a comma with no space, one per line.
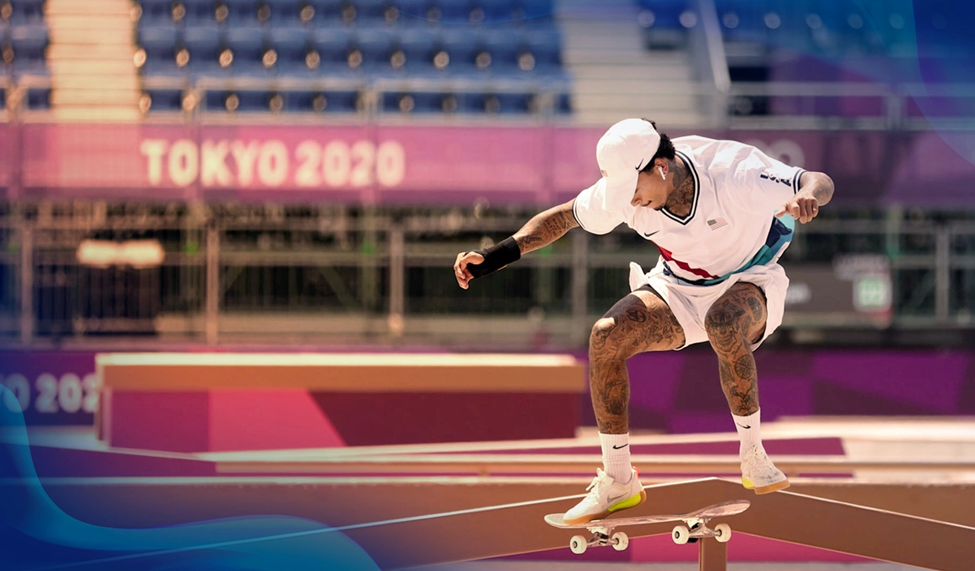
[815,190]
[802,207]
[464,275]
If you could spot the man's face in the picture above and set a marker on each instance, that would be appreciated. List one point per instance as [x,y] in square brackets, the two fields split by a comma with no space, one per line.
[652,191]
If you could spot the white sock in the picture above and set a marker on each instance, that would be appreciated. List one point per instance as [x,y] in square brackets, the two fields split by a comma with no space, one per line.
[616,456]
[749,430]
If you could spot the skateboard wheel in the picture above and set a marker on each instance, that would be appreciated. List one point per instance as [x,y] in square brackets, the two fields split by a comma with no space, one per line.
[722,532]
[620,541]
[680,535]
[577,544]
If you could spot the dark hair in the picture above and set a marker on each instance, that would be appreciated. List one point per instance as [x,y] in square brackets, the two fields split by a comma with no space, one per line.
[664,151]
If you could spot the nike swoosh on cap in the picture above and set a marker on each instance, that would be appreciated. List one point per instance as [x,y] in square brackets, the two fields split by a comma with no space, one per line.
[640,166]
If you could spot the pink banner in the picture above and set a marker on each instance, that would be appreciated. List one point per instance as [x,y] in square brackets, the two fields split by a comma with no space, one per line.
[7,132]
[372,163]
[344,162]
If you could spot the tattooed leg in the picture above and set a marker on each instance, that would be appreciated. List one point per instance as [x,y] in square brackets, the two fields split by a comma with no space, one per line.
[733,323]
[639,322]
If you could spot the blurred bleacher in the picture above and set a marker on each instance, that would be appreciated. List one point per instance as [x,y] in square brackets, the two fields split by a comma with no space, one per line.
[875,64]
[25,38]
[696,63]
[348,56]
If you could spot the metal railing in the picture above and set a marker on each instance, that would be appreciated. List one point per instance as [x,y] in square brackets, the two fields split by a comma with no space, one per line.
[357,276]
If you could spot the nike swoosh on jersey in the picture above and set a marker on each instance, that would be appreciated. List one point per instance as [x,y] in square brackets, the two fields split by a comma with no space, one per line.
[650,234]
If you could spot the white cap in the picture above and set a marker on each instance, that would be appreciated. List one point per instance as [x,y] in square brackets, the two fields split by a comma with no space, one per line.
[622,152]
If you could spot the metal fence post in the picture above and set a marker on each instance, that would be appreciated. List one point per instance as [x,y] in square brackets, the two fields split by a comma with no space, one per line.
[212,284]
[942,275]
[26,283]
[397,280]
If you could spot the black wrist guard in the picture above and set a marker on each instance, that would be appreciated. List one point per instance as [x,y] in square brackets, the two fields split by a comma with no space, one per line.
[496,257]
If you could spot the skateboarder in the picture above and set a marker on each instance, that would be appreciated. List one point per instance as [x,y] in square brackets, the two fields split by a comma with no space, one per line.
[721,213]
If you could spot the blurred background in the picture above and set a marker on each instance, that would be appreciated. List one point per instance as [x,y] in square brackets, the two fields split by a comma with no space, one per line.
[287,173]
[278,176]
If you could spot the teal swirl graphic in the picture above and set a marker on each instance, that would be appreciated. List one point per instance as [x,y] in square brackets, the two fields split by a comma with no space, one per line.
[37,534]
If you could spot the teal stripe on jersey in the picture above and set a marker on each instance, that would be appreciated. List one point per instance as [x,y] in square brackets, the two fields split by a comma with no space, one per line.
[779,236]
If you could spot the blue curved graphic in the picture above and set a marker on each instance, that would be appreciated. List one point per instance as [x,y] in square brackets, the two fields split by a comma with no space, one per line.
[37,534]
[922,45]
[944,56]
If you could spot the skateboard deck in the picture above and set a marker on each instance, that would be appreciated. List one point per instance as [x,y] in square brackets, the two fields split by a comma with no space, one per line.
[694,528]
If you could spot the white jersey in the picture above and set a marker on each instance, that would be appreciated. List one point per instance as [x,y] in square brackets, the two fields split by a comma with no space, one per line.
[731,225]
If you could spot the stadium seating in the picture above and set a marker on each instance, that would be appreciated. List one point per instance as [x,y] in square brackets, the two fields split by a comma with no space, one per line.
[25,39]
[203,43]
[246,46]
[290,45]
[661,22]
[801,25]
[503,53]
[420,46]
[844,41]
[25,12]
[332,49]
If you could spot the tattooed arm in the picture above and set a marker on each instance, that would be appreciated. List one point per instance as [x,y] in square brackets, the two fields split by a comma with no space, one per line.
[543,229]
[546,227]
[815,190]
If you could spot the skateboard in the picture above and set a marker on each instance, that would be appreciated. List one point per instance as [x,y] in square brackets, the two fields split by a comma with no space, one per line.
[695,526]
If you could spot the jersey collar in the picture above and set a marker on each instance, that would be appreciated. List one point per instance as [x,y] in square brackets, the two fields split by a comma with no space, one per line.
[697,193]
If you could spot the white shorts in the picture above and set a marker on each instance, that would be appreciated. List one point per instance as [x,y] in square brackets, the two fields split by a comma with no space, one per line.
[690,303]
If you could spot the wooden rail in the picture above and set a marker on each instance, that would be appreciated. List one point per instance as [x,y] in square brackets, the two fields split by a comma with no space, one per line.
[783,516]
[496,464]
[404,522]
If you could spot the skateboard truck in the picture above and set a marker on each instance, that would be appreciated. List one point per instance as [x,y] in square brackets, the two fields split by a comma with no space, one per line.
[693,527]
[601,535]
[697,529]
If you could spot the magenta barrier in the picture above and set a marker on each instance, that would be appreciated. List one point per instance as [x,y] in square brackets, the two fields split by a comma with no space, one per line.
[676,392]
[376,164]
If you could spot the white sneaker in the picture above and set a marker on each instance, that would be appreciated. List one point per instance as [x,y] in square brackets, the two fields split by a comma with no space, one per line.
[760,474]
[605,497]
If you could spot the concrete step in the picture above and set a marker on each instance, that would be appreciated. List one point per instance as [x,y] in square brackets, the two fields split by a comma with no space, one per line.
[667,121]
[91,19]
[97,36]
[93,68]
[93,97]
[669,99]
[110,9]
[644,72]
[101,51]
[614,75]
[635,101]
[96,114]
[91,60]
[617,57]
[106,85]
